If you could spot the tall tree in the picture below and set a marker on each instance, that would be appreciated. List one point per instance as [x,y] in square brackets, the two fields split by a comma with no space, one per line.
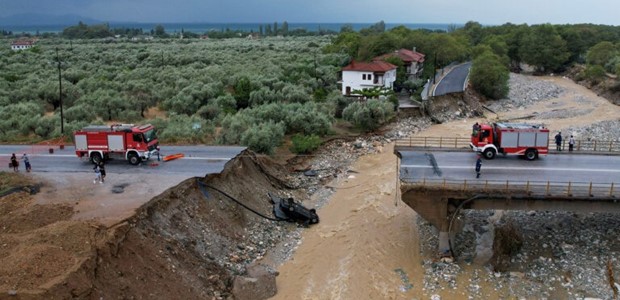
[284,28]
[544,48]
[489,76]
[159,30]
[601,53]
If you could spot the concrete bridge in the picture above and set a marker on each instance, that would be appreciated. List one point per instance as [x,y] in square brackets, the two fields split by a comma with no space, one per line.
[438,181]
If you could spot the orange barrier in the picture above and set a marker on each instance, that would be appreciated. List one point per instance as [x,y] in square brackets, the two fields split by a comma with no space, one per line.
[173,156]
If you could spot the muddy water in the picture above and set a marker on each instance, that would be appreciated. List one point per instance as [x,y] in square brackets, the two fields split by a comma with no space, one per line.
[367,244]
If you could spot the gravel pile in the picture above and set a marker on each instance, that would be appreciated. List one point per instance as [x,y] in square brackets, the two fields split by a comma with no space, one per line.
[601,131]
[525,91]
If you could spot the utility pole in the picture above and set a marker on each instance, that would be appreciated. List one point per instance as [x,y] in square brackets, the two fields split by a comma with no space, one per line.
[62,120]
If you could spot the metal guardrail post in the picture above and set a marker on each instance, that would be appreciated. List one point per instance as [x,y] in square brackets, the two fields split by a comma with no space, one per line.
[594,145]
[568,192]
[548,194]
[486,186]
[610,143]
[425,141]
[465,185]
[440,141]
[444,183]
[506,187]
[456,139]
[590,190]
[611,190]
[578,145]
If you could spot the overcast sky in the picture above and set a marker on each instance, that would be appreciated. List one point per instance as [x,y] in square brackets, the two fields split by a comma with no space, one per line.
[488,12]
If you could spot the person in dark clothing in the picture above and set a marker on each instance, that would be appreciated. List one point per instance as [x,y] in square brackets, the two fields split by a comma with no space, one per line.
[478,165]
[102,171]
[558,141]
[14,163]
[475,129]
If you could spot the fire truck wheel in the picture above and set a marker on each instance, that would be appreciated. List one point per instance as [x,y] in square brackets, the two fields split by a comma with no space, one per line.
[489,153]
[134,159]
[95,158]
[530,154]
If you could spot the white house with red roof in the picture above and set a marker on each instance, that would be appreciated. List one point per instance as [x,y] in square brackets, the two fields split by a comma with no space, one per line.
[22,45]
[366,75]
[413,61]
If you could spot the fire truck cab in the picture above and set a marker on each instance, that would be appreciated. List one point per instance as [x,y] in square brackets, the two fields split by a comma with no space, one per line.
[126,141]
[523,139]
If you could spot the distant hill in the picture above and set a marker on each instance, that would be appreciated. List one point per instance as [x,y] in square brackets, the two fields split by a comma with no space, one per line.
[43,19]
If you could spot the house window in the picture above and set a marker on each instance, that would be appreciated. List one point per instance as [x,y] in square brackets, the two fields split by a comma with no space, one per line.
[369,76]
[363,76]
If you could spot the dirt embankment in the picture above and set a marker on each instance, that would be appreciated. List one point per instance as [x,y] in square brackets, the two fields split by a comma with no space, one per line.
[609,88]
[180,245]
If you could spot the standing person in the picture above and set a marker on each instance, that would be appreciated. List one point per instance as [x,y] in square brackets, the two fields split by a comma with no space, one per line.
[97,174]
[476,129]
[14,163]
[478,165]
[26,162]
[558,141]
[102,171]
[571,143]
[158,152]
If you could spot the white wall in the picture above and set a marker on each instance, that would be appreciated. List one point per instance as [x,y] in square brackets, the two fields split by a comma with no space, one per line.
[355,80]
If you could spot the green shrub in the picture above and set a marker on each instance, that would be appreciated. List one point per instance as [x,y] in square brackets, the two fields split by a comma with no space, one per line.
[594,73]
[264,137]
[369,115]
[303,144]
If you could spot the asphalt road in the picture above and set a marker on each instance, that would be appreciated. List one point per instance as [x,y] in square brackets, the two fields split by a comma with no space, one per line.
[198,160]
[576,168]
[454,81]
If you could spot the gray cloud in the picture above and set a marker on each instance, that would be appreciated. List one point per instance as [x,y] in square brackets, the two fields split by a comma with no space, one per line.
[391,11]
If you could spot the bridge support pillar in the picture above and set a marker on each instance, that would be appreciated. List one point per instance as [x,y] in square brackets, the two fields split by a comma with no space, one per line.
[436,209]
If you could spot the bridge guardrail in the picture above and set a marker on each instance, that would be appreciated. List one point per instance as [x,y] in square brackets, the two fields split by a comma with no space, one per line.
[530,188]
[601,146]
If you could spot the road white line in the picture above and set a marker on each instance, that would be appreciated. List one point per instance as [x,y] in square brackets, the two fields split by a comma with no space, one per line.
[512,168]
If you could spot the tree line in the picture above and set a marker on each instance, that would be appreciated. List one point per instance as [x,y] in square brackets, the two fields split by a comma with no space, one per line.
[258,93]
[494,50]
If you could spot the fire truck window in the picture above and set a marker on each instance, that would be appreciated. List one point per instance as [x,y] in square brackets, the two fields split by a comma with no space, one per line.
[137,137]
[486,133]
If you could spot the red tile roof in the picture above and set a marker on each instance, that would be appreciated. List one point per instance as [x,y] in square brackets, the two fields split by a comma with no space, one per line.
[405,55]
[373,66]
[22,43]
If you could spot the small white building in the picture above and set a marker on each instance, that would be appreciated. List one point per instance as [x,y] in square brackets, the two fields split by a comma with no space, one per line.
[21,45]
[366,75]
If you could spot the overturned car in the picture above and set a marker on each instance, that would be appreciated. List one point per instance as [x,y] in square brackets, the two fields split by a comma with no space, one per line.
[288,209]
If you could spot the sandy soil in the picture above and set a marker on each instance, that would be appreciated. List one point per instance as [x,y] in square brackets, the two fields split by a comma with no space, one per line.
[98,202]
[367,247]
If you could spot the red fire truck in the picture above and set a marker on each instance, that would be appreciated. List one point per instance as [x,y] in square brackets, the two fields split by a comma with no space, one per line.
[510,138]
[126,141]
